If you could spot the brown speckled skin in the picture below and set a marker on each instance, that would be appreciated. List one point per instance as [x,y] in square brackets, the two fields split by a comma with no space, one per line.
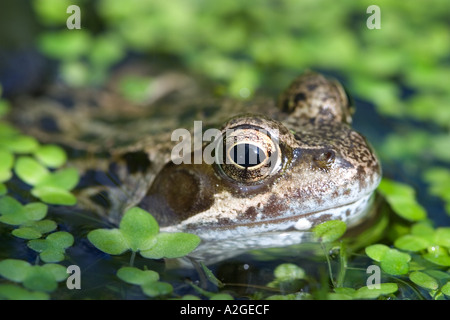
[325,164]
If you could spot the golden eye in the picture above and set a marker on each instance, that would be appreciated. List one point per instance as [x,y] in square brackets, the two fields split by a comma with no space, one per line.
[249,154]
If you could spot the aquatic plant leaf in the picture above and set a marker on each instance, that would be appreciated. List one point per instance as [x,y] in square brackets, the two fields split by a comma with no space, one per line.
[423,280]
[22,144]
[329,231]
[11,211]
[3,189]
[6,160]
[438,255]
[139,228]
[442,236]
[221,296]
[13,292]
[446,288]
[65,45]
[65,179]
[172,245]
[402,199]
[27,233]
[52,156]
[35,211]
[136,276]
[110,241]
[6,164]
[411,243]
[289,271]
[34,229]
[14,270]
[373,293]
[40,279]
[52,249]
[157,288]
[395,262]
[58,271]
[29,170]
[56,196]
[392,261]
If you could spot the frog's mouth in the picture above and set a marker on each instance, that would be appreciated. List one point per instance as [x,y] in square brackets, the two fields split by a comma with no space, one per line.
[352,213]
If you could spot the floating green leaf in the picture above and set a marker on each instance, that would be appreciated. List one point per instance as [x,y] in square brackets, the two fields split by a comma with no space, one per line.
[30,170]
[329,231]
[21,144]
[402,199]
[446,288]
[221,296]
[157,288]
[395,262]
[3,189]
[56,196]
[136,276]
[6,164]
[12,212]
[51,156]
[288,272]
[392,261]
[172,245]
[442,236]
[423,280]
[373,293]
[411,243]
[52,249]
[39,278]
[65,179]
[34,229]
[13,292]
[110,241]
[138,231]
[438,255]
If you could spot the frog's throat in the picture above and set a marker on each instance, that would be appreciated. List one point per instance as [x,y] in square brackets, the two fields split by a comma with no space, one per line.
[352,214]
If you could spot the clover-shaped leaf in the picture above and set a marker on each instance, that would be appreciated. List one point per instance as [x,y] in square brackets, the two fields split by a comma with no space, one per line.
[329,231]
[402,199]
[29,170]
[52,248]
[40,278]
[14,213]
[172,245]
[51,156]
[3,189]
[6,164]
[138,231]
[392,261]
[424,280]
[34,229]
[14,292]
[50,187]
[146,279]
[136,276]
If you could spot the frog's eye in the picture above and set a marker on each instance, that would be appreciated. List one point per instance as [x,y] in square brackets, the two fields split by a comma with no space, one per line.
[248,154]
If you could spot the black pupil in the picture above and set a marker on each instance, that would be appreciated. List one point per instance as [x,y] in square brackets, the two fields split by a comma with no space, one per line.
[247,155]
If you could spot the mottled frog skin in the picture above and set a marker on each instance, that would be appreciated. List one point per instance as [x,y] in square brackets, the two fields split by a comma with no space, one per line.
[324,169]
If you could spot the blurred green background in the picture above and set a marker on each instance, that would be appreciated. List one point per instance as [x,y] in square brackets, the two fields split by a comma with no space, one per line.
[399,74]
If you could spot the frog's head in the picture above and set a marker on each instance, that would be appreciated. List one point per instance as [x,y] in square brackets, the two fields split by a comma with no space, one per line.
[274,175]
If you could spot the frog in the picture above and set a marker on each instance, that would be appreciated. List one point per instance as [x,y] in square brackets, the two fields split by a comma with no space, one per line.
[308,164]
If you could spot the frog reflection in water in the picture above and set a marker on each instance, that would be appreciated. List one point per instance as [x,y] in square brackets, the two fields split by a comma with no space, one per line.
[320,168]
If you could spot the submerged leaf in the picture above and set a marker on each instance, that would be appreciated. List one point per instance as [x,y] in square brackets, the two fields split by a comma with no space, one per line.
[172,245]
[109,241]
[330,230]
